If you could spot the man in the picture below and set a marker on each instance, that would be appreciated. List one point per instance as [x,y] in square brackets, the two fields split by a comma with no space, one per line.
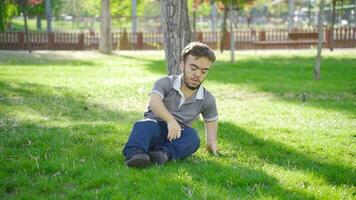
[175,102]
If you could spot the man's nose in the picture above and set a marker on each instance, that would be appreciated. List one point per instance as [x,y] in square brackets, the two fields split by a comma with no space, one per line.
[198,73]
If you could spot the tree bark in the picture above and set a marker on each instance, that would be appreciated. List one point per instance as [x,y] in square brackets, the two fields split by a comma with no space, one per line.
[49,16]
[2,16]
[309,12]
[290,14]
[320,41]
[28,43]
[214,13]
[134,17]
[224,31]
[232,35]
[177,32]
[38,22]
[331,36]
[105,44]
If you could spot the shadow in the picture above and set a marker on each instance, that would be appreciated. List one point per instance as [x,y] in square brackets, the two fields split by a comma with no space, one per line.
[288,78]
[53,59]
[56,103]
[232,180]
[153,65]
[83,158]
[78,155]
[277,153]
[66,146]
[86,161]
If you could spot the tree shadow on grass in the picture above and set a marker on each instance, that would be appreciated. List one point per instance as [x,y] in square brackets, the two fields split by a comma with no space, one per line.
[287,78]
[76,159]
[56,103]
[211,176]
[279,154]
[234,181]
[36,60]
[70,152]
[83,159]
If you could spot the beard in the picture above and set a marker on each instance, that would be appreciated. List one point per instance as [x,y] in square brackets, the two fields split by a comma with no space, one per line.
[186,82]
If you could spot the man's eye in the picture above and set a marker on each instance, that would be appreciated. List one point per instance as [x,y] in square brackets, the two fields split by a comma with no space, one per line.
[194,68]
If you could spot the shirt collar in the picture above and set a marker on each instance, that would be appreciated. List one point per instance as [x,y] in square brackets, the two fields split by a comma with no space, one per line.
[178,83]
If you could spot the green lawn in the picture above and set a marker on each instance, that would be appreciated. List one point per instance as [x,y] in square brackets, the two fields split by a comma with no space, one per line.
[65,116]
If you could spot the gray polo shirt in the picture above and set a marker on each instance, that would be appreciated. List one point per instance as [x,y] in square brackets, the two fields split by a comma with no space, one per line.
[184,110]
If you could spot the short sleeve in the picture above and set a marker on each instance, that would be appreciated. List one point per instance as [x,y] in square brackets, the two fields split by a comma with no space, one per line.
[161,87]
[209,110]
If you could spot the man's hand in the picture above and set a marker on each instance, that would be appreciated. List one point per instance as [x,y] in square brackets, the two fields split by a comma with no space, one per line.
[174,130]
[161,111]
[212,148]
[211,130]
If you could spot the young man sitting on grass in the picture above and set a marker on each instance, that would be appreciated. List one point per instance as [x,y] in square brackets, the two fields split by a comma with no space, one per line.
[175,102]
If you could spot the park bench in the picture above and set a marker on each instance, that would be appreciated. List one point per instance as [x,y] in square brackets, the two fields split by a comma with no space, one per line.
[295,40]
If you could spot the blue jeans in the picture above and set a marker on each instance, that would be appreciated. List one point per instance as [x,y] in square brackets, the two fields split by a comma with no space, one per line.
[148,135]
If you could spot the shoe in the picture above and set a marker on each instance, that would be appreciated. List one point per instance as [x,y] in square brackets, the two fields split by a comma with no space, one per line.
[158,157]
[139,160]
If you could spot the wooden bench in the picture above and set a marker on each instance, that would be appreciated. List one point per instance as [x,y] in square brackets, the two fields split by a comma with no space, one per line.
[303,36]
[295,40]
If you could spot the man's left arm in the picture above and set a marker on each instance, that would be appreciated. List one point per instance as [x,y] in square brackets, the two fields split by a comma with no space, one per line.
[211,131]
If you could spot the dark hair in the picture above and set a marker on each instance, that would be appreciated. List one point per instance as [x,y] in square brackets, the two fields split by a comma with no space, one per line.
[197,49]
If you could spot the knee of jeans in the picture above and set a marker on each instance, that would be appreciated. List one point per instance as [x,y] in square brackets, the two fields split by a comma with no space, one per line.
[194,138]
[147,126]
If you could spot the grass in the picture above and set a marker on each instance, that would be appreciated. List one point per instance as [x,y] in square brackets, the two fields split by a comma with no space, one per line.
[65,116]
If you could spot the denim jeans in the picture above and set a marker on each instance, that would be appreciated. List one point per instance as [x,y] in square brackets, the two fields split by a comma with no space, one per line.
[148,135]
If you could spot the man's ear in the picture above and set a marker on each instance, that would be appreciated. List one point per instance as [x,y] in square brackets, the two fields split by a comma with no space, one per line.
[181,65]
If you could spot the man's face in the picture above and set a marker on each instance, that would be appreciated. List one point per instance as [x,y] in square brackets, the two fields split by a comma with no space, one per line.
[195,71]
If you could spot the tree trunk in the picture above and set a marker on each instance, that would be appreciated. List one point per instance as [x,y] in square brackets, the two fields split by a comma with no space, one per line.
[309,12]
[194,23]
[177,32]
[214,11]
[331,36]
[38,22]
[232,36]
[105,44]
[290,14]
[2,16]
[49,16]
[224,31]
[320,41]
[134,17]
[28,43]
[355,13]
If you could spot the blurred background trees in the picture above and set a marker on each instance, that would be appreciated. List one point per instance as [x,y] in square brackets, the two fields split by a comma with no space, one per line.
[205,15]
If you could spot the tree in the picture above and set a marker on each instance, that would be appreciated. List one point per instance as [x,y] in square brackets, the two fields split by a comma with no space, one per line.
[8,9]
[333,14]
[134,17]
[49,15]
[177,32]
[291,6]
[2,15]
[105,44]
[320,41]
[36,8]
[232,35]
[214,13]
[223,30]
